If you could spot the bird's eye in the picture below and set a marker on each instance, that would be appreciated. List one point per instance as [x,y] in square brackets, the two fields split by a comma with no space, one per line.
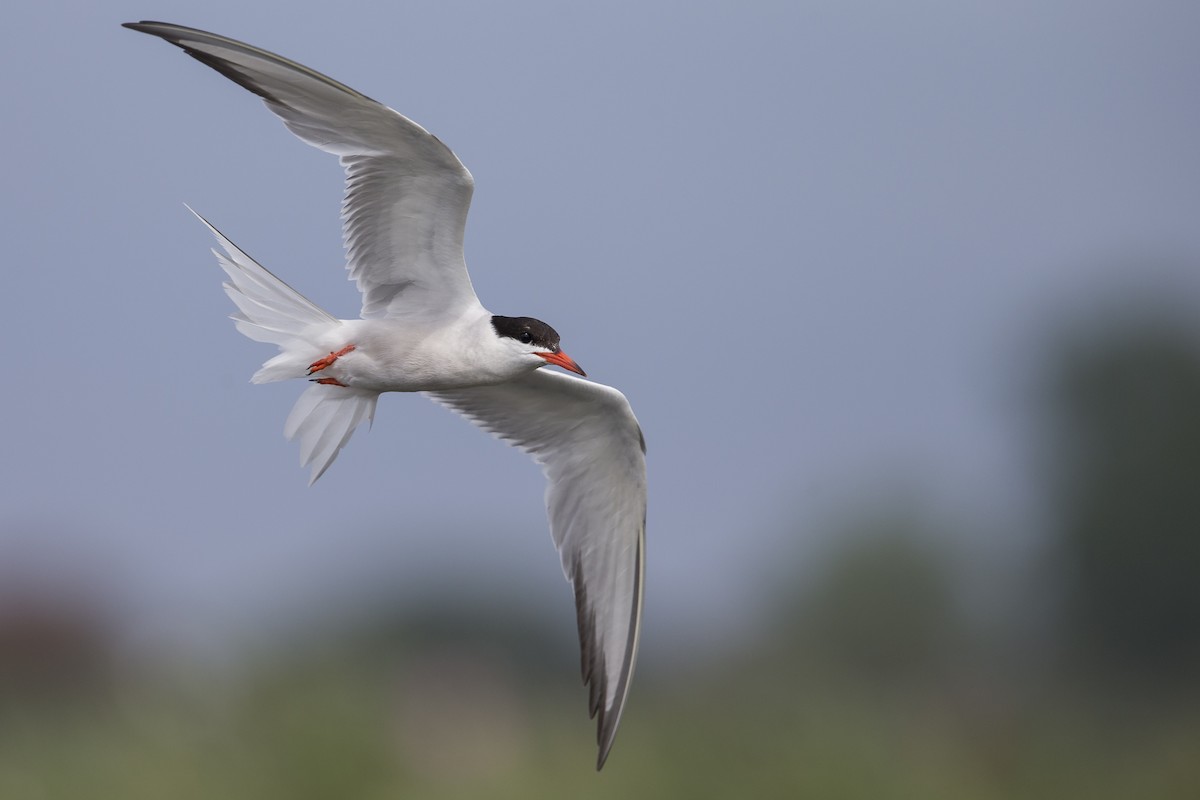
[526,337]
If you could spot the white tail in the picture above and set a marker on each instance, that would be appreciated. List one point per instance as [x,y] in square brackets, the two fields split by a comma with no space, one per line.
[271,311]
[323,419]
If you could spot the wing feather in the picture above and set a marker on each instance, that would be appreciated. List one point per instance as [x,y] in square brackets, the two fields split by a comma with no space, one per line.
[407,194]
[589,444]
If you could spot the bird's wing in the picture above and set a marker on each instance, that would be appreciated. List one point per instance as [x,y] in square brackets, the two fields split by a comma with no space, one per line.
[589,444]
[407,194]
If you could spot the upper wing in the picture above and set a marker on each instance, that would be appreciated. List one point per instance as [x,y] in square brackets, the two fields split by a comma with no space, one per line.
[589,444]
[407,194]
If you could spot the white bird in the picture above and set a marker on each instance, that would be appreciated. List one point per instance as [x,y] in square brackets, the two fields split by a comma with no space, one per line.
[424,330]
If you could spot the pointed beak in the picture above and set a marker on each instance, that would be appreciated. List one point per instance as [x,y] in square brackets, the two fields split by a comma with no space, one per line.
[561,359]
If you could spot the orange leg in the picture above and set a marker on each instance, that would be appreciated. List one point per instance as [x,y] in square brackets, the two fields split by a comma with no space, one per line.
[322,363]
[327,381]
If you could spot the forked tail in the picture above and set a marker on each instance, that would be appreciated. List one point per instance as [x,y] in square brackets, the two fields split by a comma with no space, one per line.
[269,310]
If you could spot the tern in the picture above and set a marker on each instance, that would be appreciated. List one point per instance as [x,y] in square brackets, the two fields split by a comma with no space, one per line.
[422,329]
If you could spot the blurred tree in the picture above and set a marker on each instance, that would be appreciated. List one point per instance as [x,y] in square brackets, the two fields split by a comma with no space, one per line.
[884,608]
[54,648]
[1125,436]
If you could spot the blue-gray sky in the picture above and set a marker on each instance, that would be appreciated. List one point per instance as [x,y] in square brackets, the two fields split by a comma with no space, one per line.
[814,243]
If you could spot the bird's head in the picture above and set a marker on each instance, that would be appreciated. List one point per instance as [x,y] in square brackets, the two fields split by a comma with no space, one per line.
[533,340]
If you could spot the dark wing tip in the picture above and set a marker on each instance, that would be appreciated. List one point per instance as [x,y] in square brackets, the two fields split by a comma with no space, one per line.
[191,41]
[171,33]
[595,676]
[607,735]
[156,28]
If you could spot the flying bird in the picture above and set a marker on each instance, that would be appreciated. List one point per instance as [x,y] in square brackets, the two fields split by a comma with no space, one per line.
[422,329]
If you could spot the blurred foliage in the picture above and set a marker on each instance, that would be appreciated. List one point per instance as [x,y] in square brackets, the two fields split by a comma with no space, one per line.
[884,607]
[460,721]
[1126,428]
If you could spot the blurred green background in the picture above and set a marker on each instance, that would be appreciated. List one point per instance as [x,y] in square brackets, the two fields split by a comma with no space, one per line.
[888,665]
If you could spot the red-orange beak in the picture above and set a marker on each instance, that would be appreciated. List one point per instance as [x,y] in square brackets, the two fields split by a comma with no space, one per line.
[561,359]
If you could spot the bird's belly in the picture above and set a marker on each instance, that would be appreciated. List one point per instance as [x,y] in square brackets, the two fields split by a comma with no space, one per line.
[410,375]
[409,363]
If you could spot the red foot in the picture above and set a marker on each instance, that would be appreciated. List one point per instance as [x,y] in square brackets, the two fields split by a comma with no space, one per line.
[322,363]
[328,382]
